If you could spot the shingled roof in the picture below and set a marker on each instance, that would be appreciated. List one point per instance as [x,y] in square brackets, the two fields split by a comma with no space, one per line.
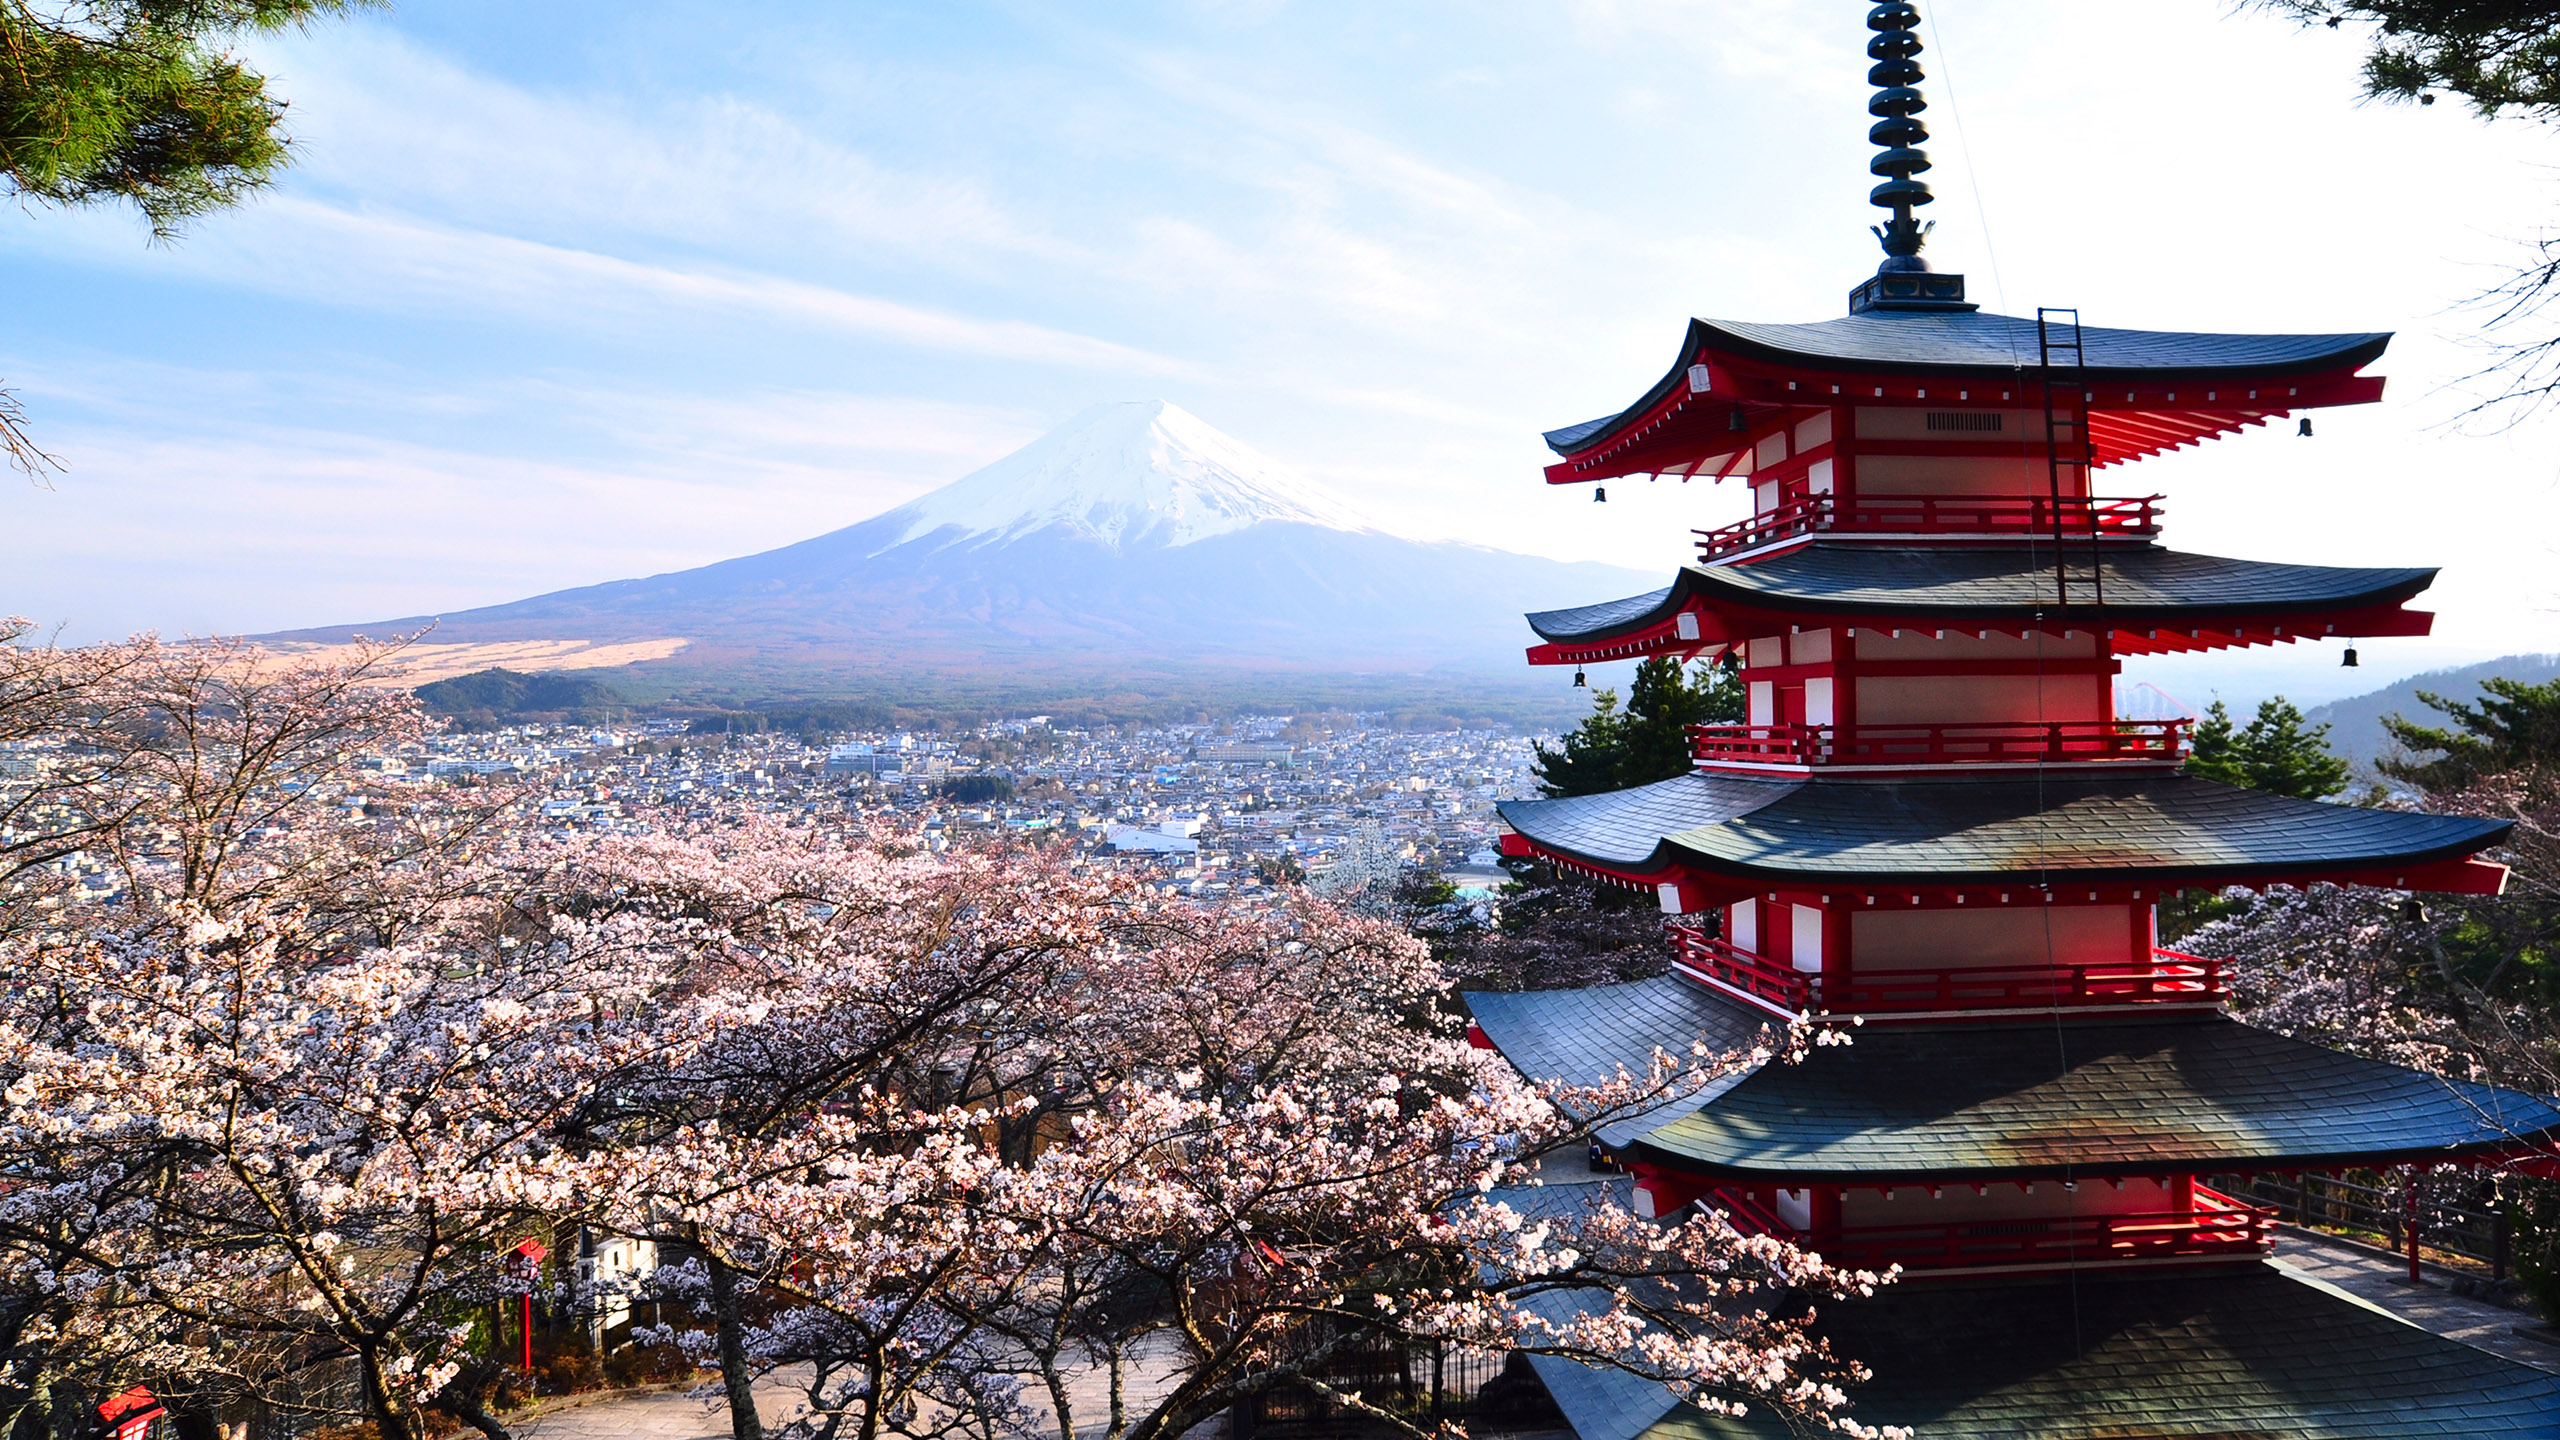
[2130,829]
[1586,1037]
[2140,585]
[2198,1355]
[2113,1097]
[1974,344]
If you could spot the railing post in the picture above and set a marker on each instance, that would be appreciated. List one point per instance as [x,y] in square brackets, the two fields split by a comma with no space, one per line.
[2409,1220]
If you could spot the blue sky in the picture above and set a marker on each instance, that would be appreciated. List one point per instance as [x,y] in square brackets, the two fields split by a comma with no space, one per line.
[565,292]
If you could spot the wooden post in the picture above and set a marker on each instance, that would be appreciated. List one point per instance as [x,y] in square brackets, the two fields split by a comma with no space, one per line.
[2409,1220]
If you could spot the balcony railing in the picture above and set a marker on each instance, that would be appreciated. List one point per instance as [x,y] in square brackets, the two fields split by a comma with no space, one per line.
[1993,515]
[2170,978]
[2217,1226]
[2024,742]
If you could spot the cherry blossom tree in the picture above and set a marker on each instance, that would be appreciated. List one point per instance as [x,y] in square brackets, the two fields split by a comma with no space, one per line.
[264,1100]
[249,1148]
[1249,1140]
[955,1132]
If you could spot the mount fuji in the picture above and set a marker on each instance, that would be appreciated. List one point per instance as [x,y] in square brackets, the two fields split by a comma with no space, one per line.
[1135,545]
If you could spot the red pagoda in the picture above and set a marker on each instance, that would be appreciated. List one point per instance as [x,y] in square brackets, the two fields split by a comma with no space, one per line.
[1934,824]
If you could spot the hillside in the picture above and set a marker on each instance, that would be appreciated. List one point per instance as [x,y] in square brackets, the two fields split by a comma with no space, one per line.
[495,697]
[2356,723]
[1135,552]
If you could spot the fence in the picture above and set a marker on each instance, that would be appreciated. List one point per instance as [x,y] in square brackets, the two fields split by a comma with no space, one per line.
[1420,1384]
[2458,1214]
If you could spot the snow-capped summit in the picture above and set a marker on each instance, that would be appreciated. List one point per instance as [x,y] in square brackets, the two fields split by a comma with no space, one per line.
[1129,549]
[1141,474]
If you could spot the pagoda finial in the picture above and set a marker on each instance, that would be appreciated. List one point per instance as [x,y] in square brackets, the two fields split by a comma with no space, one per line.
[1903,281]
[1897,106]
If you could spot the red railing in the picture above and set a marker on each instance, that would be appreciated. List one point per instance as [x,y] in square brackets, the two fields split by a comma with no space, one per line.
[1707,957]
[2217,1226]
[2170,978]
[1992,743]
[2002,515]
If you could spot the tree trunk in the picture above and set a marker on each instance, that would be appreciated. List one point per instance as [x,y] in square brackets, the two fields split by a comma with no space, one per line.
[1119,1393]
[463,1399]
[1057,1384]
[744,1424]
[391,1419]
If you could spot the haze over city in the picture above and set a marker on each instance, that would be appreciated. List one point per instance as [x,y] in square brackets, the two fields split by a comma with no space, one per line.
[561,296]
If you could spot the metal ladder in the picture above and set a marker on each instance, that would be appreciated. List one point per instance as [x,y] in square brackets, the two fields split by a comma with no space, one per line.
[2067,442]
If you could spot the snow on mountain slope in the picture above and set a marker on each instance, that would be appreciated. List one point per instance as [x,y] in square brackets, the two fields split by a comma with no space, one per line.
[1139,474]
[1133,536]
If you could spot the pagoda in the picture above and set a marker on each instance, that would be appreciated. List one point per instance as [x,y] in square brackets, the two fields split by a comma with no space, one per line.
[1933,825]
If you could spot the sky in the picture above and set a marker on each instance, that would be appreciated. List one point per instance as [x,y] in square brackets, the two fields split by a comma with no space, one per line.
[569,292]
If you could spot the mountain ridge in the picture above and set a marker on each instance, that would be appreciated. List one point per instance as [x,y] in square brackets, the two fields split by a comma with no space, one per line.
[1134,539]
[2356,734]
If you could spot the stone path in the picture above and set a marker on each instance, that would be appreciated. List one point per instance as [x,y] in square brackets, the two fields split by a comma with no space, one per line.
[2384,1282]
[676,1416]
[657,1415]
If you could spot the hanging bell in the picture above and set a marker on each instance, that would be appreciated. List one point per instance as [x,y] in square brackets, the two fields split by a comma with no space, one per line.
[1737,421]
[1580,682]
[2350,662]
[2305,431]
[1599,494]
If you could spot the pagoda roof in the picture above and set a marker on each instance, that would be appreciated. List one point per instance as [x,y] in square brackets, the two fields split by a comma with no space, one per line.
[1587,1036]
[1760,832]
[2199,1354]
[1973,344]
[2144,588]
[2141,1096]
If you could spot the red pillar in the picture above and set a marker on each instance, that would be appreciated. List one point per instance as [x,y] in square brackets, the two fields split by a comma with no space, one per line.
[531,1252]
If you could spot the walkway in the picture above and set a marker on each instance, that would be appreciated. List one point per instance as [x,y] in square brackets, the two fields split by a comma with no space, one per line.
[2383,1281]
[676,1416]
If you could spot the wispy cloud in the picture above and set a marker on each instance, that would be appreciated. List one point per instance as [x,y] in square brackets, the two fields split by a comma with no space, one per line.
[375,261]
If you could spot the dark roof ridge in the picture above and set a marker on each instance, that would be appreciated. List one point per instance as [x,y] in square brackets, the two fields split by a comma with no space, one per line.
[2149,586]
[2005,346]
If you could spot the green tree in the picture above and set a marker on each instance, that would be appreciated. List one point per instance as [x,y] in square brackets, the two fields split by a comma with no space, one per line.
[1647,741]
[136,100]
[2515,726]
[2503,56]
[2273,752]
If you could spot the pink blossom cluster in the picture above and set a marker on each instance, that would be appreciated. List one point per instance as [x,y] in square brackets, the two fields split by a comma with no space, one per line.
[938,1133]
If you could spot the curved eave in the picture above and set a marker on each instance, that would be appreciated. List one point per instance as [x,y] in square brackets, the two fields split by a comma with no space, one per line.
[1998,1102]
[2306,355]
[2242,1351]
[2091,1164]
[1721,610]
[2028,592]
[1767,379]
[1732,835]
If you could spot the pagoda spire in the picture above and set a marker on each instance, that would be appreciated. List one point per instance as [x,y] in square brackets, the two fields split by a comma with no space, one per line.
[1903,281]
[1899,131]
